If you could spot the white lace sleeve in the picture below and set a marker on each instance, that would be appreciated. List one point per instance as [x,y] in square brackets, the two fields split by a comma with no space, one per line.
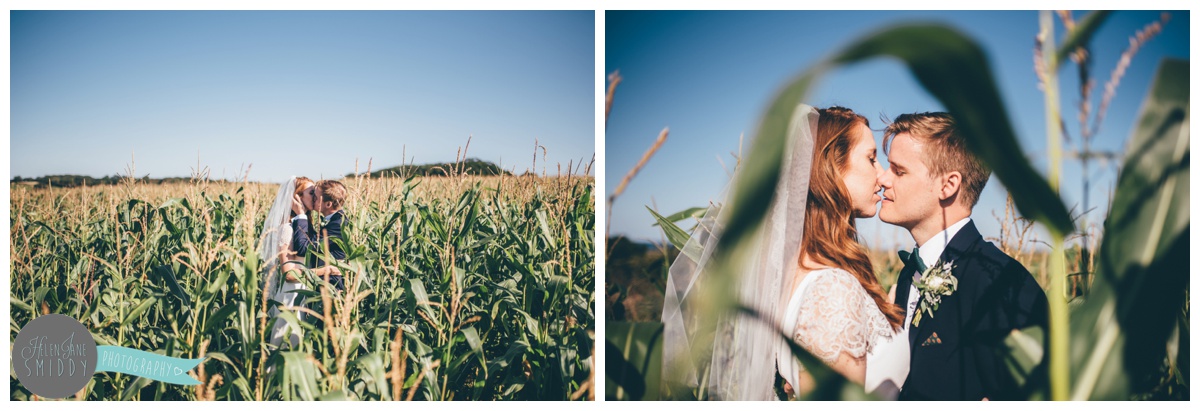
[838,316]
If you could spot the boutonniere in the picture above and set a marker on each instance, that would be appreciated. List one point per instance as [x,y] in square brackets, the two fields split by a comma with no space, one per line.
[936,282]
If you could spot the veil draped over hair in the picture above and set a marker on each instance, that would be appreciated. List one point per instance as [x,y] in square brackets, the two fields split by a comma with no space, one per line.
[274,244]
[740,363]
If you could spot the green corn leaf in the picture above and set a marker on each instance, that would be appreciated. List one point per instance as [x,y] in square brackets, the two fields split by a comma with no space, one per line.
[675,235]
[1022,354]
[694,212]
[217,320]
[293,325]
[137,311]
[374,373]
[300,377]
[39,296]
[473,341]
[102,339]
[220,357]
[1081,35]
[541,217]
[166,276]
[134,388]
[1120,334]
[421,297]
[171,202]
[22,305]
[633,360]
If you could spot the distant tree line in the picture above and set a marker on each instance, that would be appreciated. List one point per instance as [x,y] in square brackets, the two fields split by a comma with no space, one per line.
[471,166]
[69,180]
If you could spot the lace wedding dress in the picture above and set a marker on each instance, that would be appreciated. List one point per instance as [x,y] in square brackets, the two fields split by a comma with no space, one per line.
[274,244]
[828,314]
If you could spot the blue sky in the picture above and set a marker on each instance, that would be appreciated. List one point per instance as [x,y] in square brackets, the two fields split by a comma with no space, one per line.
[297,92]
[709,75]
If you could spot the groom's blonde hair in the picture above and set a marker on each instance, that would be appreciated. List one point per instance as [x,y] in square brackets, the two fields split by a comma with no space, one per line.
[333,192]
[945,150]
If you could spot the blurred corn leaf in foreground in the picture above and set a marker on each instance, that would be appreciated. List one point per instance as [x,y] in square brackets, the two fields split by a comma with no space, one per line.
[1134,322]
[1120,335]
[633,360]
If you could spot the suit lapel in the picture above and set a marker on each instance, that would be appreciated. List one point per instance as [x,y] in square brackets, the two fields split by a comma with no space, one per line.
[960,245]
[916,330]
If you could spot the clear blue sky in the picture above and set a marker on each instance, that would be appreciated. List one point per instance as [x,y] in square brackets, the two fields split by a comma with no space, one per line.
[709,75]
[297,92]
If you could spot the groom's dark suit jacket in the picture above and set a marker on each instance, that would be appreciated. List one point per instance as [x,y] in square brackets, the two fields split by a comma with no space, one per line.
[956,352]
[306,238]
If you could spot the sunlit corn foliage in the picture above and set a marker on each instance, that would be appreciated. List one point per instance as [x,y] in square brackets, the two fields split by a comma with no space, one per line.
[458,288]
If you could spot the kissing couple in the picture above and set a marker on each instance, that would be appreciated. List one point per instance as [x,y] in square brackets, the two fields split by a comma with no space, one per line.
[937,335]
[291,242]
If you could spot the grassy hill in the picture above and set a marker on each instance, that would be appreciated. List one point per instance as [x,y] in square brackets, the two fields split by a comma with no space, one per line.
[472,166]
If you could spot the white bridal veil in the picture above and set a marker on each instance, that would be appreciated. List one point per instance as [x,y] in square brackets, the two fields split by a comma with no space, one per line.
[274,244]
[740,363]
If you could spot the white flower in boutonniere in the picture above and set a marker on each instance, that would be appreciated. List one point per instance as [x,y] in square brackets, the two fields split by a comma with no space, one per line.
[936,282]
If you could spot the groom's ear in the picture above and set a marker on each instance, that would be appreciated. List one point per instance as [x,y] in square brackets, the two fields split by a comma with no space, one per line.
[951,184]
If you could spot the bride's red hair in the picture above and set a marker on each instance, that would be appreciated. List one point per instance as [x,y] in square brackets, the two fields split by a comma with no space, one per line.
[302,182]
[830,237]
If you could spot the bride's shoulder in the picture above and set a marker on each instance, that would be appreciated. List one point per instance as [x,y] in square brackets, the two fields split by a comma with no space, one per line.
[832,275]
[832,279]
[839,290]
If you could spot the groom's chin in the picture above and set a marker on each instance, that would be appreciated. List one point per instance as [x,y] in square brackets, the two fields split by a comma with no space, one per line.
[885,212]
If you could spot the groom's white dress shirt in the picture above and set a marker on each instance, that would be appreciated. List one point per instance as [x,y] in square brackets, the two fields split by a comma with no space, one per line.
[305,217]
[887,364]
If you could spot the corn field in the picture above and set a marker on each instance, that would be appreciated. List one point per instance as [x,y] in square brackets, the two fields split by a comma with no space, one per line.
[457,288]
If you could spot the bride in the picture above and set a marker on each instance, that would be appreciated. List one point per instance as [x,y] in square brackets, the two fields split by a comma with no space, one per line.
[276,251]
[809,277]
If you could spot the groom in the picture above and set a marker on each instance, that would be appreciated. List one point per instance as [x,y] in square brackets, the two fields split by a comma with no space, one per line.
[326,198]
[930,187]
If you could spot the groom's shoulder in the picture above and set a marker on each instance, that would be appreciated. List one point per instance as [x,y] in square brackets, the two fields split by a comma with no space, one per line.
[996,261]
[338,217]
[1004,269]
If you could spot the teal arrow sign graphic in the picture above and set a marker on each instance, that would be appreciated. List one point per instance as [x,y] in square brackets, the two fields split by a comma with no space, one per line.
[144,364]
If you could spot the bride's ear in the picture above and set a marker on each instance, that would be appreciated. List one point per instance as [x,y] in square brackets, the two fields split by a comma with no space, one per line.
[951,184]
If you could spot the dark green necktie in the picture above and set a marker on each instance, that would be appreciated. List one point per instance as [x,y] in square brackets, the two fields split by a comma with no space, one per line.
[914,258]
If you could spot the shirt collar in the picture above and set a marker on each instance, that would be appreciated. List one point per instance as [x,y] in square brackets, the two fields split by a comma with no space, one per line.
[932,249]
[328,216]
